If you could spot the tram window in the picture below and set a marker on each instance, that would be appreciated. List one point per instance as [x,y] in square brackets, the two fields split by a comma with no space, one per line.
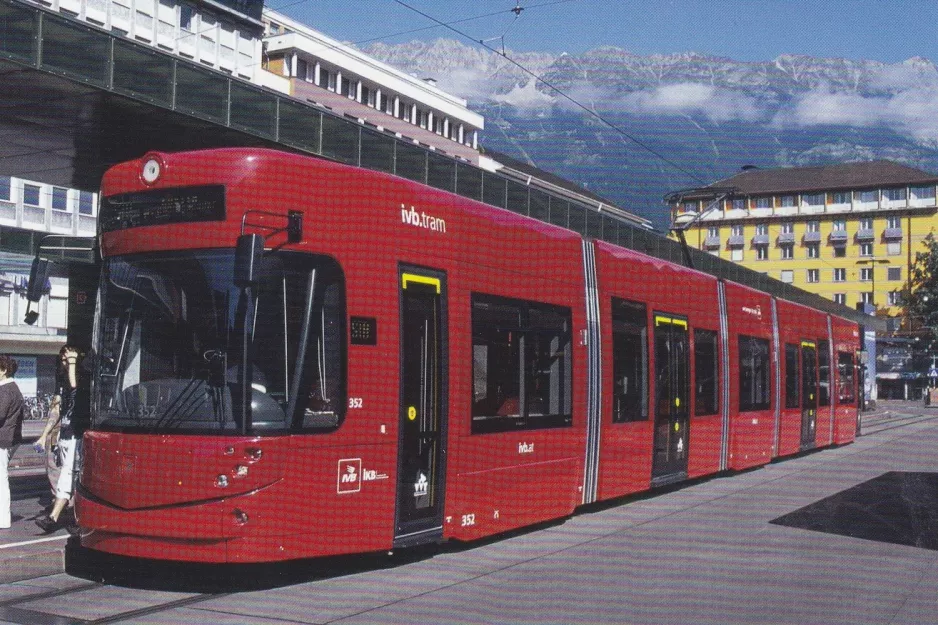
[521,365]
[171,341]
[706,369]
[291,286]
[845,378]
[629,361]
[792,377]
[753,374]
[824,372]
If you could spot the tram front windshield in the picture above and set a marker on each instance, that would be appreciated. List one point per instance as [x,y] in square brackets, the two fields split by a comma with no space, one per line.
[171,336]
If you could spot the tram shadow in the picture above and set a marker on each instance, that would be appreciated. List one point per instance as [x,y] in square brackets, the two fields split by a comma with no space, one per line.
[203,578]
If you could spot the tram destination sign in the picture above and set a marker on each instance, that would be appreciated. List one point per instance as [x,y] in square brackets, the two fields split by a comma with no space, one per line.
[162,206]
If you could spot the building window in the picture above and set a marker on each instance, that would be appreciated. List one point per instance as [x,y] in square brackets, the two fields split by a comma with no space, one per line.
[866,274]
[866,249]
[302,69]
[840,251]
[838,225]
[788,228]
[754,387]
[5,188]
[764,202]
[706,371]
[814,275]
[923,193]
[814,250]
[814,226]
[893,221]
[813,199]
[788,276]
[59,198]
[736,254]
[788,201]
[866,297]
[840,275]
[894,297]
[894,195]
[762,229]
[521,365]
[713,231]
[185,20]
[738,205]
[893,248]
[738,230]
[31,194]
[840,298]
[841,197]
[867,197]
[629,361]
[689,207]
[866,223]
[85,203]
[894,273]
[762,252]
[788,251]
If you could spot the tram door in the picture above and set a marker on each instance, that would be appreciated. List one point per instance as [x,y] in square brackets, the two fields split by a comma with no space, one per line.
[421,444]
[809,393]
[672,387]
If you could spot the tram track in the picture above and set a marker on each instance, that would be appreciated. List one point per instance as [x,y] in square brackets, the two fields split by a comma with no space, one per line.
[15,610]
[894,422]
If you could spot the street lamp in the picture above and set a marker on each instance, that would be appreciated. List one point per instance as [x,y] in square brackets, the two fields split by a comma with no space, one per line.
[872,262]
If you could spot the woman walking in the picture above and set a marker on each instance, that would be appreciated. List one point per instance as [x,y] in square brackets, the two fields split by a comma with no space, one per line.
[73,421]
[11,432]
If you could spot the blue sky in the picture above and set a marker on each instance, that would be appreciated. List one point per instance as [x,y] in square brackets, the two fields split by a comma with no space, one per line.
[755,30]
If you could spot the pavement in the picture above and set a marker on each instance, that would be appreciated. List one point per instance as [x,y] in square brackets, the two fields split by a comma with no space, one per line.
[841,535]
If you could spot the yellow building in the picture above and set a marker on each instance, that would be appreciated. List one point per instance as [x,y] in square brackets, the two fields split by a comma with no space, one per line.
[848,232]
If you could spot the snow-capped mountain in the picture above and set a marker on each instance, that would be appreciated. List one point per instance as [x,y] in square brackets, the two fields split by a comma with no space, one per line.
[633,128]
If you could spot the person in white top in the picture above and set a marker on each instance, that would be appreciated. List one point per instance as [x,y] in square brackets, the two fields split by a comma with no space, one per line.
[11,431]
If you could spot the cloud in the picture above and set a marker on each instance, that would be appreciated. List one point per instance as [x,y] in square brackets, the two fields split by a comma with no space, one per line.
[715,103]
[912,111]
[526,98]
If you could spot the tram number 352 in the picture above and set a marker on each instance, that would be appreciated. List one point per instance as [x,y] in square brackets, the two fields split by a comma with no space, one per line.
[355,402]
[468,519]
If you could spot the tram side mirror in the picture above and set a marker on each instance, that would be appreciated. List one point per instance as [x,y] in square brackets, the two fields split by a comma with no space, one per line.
[38,276]
[248,255]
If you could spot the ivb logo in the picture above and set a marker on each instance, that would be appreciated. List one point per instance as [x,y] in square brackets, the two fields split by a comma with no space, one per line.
[350,476]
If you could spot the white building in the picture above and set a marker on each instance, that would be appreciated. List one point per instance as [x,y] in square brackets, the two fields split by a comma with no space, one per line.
[336,76]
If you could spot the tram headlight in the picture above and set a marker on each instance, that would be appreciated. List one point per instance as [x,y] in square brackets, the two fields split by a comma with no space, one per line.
[221,481]
[241,517]
[152,169]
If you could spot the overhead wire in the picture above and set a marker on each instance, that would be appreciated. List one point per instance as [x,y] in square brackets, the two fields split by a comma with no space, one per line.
[591,112]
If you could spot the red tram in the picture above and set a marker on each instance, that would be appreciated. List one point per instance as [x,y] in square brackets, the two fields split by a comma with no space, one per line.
[299,358]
